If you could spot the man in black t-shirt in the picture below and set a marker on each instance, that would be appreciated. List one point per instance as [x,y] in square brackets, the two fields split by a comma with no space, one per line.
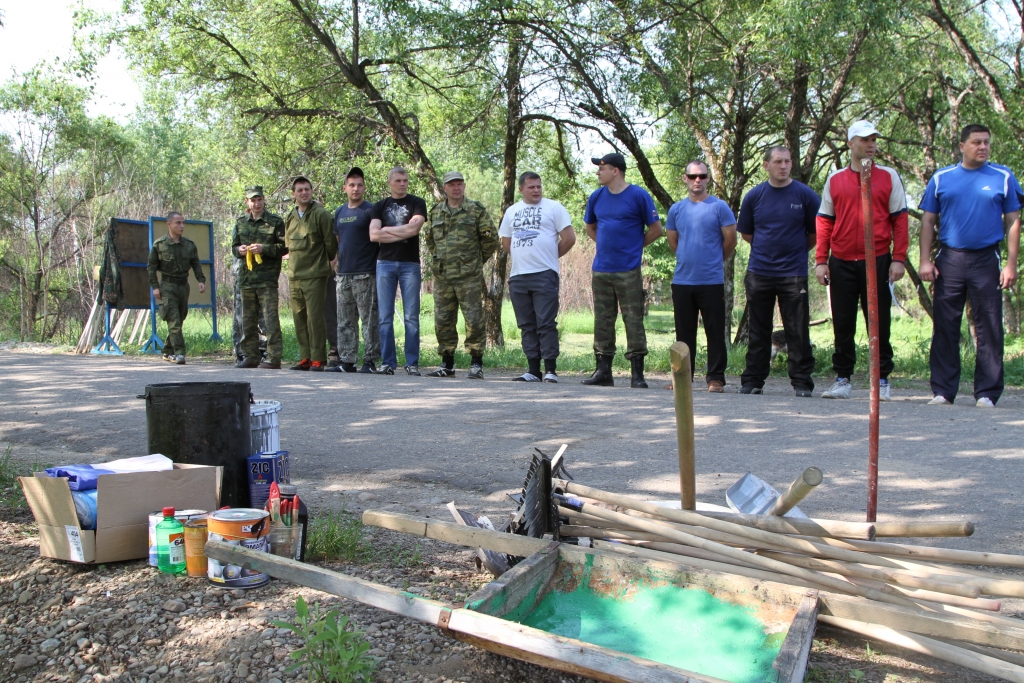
[396,225]
[356,287]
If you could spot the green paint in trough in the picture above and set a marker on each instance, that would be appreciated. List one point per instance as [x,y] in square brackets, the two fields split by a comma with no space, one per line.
[683,627]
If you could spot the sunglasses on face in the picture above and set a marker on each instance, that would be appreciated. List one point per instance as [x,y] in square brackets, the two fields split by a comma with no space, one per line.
[694,176]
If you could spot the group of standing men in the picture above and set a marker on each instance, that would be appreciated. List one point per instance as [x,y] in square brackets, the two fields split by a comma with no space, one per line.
[372,250]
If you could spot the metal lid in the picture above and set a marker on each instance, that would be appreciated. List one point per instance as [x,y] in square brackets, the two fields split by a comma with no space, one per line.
[288,489]
[238,514]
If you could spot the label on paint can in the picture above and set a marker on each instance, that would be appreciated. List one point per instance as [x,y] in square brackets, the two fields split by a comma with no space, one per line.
[245,527]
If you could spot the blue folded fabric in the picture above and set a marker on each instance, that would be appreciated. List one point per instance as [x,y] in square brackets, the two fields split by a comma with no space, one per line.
[85,508]
[80,477]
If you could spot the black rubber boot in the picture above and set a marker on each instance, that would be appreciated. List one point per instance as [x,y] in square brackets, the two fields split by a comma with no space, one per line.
[602,377]
[637,381]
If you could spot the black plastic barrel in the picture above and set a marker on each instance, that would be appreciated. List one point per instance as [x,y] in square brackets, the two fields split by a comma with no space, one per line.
[203,423]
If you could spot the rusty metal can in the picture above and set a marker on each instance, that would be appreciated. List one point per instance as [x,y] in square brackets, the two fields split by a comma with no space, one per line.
[195,542]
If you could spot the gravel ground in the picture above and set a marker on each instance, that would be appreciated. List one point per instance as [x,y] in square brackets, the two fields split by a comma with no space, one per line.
[410,445]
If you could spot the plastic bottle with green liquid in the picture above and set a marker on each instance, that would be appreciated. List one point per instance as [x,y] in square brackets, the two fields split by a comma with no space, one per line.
[170,544]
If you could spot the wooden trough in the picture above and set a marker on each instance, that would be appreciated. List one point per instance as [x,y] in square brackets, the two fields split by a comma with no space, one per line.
[490,618]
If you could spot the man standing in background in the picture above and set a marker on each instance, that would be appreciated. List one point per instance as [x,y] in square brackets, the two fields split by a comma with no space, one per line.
[460,238]
[840,253]
[976,200]
[702,233]
[356,279]
[172,256]
[622,220]
[777,218]
[396,225]
[259,233]
[536,232]
[309,237]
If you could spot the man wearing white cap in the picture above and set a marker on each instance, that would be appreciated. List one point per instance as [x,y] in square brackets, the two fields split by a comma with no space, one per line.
[840,253]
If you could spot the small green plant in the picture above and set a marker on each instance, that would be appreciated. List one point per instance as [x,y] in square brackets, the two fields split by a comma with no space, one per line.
[11,495]
[333,652]
[856,675]
[337,535]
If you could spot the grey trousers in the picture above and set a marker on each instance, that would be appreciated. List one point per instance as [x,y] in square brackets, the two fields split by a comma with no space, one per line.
[535,301]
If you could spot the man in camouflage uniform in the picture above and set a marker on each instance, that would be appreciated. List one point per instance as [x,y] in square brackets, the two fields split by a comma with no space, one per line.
[309,236]
[236,324]
[259,233]
[460,238]
[172,255]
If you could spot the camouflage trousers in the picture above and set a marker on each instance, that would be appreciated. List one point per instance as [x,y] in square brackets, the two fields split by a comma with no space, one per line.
[449,297]
[173,311]
[236,326]
[357,301]
[614,292]
[260,305]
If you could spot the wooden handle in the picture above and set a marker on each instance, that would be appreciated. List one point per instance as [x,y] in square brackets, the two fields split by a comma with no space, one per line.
[797,491]
[682,389]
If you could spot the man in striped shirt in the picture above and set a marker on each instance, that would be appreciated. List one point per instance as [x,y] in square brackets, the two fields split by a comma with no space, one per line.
[973,203]
[840,253]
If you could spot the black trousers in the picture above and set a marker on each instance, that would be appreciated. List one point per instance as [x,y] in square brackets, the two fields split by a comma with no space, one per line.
[791,293]
[535,301]
[850,286]
[709,302]
[963,273]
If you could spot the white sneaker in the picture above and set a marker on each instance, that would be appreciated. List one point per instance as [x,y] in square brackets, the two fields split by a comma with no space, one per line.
[883,391]
[985,402]
[940,401]
[841,389]
[551,377]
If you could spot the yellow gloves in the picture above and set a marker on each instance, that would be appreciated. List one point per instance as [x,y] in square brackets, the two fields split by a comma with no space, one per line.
[248,259]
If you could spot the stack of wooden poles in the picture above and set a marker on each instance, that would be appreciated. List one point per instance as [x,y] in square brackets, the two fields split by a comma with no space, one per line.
[121,323]
[831,556]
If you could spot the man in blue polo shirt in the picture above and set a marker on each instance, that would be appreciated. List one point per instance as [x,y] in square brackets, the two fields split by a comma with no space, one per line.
[778,219]
[702,233]
[976,200]
[622,219]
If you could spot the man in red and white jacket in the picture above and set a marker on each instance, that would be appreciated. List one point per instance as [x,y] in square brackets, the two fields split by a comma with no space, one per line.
[840,253]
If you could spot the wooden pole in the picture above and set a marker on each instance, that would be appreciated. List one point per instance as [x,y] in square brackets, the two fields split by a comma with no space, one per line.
[682,389]
[871,275]
[922,552]
[795,525]
[797,491]
[928,646]
[923,529]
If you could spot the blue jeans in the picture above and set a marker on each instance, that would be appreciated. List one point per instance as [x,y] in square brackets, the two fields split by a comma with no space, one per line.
[390,276]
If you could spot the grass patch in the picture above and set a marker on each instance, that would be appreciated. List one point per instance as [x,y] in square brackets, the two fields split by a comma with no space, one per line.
[11,495]
[337,535]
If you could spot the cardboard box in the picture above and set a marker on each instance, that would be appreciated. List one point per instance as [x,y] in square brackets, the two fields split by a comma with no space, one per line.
[123,505]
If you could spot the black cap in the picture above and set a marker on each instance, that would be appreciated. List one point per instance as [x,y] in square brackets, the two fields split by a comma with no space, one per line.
[301,178]
[614,159]
[355,171]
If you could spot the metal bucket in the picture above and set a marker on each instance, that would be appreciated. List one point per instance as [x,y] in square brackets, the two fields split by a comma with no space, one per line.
[265,426]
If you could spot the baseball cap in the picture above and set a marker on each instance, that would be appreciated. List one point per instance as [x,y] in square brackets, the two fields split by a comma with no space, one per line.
[253,191]
[861,129]
[355,171]
[301,178]
[450,176]
[613,159]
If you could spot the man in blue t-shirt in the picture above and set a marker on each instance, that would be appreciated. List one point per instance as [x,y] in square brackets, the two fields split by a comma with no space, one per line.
[356,279]
[778,219]
[976,201]
[702,232]
[622,219]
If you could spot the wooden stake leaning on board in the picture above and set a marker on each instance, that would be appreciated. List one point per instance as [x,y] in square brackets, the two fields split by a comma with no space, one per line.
[797,491]
[682,390]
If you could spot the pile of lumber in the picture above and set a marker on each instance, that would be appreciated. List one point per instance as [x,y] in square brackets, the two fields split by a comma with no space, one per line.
[121,324]
[928,585]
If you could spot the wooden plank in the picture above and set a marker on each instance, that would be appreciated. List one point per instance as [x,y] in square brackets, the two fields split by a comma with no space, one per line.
[791,664]
[366,592]
[565,654]
[512,544]
[934,648]
[501,596]
[406,524]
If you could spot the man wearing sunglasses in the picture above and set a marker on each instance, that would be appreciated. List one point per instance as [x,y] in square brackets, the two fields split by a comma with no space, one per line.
[840,253]
[622,219]
[702,233]
[777,218]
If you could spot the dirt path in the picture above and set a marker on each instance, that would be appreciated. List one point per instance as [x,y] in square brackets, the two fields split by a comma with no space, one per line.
[416,443]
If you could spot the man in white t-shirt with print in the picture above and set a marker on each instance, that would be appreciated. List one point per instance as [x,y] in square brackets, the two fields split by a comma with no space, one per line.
[536,232]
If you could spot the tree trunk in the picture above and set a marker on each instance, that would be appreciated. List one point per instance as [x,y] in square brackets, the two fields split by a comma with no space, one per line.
[743,329]
[494,283]
[794,117]
[922,291]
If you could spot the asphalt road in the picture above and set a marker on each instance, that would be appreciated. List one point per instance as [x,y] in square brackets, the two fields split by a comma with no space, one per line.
[418,442]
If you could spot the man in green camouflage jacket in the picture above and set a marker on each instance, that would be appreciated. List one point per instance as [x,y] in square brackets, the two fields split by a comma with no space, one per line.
[259,233]
[309,236]
[460,238]
[172,256]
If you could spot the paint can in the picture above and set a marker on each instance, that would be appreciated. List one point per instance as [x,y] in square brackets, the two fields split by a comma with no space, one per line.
[195,546]
[157,517]
[245,527]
